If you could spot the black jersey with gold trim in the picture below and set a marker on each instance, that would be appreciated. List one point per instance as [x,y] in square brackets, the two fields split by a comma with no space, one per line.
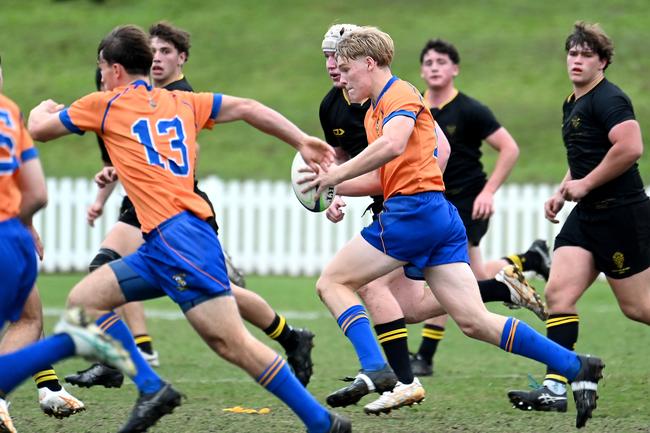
[586,123]
[180,84]
[342,122]
[466,123]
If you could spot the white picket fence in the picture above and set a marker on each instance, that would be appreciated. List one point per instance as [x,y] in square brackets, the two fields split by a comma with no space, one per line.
[266,230]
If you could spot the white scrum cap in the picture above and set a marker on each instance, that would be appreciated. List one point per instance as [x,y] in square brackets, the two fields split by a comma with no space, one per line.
[333,35]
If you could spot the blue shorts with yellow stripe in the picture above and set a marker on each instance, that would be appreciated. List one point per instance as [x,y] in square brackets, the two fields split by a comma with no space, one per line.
[422,229]
[181,258]
[18,267]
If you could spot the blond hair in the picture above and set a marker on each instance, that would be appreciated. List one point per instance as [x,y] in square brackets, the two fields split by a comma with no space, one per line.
[366,42]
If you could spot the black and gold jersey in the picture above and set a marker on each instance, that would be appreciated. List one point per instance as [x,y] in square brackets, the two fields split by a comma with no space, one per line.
[180,84]
[342,122]
[586,124]
[466,123]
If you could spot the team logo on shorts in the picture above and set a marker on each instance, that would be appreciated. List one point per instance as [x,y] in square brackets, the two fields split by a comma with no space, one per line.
[619,261]
[450,130]
[575,122]
[338,132]
[181,284]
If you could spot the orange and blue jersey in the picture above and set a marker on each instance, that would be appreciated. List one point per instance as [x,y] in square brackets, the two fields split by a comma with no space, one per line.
[17,252]
[416,170]
[150,135]
[417,224]
[16,148]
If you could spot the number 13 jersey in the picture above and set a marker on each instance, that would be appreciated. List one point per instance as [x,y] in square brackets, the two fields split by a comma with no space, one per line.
[150,135]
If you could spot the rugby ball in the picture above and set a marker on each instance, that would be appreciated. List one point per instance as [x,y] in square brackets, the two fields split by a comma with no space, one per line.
[308,199]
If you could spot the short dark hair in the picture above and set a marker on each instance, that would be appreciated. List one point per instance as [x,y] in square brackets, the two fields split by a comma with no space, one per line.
[98,78]
[128,46]
[592,36]
[179,38]
[442,47]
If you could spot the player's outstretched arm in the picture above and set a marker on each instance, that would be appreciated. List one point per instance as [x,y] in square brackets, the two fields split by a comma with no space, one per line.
[258,115]
[44,123]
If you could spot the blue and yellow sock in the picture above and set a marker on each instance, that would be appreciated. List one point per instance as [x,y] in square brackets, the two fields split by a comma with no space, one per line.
[145,379]
[20,365]
[519,338]
[355,325]
[278,379]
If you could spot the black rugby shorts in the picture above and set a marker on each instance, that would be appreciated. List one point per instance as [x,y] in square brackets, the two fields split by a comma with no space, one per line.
[618,238]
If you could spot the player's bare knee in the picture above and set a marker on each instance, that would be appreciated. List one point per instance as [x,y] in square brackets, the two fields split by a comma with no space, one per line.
[557,301]
[411,317]
[32,324]
[322,287]
[32,316]
[227,348]
[636,312]
[364,293]
[222,347]
[78,297]
[372,299]
[33,321]
[470,326]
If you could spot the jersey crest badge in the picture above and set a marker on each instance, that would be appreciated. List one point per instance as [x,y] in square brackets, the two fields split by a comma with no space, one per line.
[181,284]
[619,261]
[575,122]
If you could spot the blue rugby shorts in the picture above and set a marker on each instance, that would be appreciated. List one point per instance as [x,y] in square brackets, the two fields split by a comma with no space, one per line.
[422,229]
[18,268]
[181,258]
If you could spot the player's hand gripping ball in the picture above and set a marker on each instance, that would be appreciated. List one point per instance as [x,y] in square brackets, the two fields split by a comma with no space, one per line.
[308,199]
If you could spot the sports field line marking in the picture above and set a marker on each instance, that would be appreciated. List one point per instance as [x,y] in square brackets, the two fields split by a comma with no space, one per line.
[289,314]
[177,315]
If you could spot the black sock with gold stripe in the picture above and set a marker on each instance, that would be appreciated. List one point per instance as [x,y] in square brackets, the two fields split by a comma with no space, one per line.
[528,261]
[493,290]
[47,378]
[393,339]
[280,331]
[563,329]
[144,343]
[431,336]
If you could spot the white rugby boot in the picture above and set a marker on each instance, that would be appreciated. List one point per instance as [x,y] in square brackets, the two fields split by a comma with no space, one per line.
[93,344]
[401,395]
[59,404]
[522,294]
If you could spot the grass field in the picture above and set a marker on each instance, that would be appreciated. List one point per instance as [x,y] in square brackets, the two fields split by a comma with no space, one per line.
[512,58]
[466,393]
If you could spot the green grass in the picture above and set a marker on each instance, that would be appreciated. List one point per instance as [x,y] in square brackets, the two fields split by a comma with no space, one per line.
[466,394]
[512,59]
